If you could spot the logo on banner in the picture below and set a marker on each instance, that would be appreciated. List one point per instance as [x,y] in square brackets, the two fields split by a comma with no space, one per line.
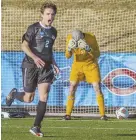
[109,81]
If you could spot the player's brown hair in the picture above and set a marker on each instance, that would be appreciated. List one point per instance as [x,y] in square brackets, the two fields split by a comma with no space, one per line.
[48,5]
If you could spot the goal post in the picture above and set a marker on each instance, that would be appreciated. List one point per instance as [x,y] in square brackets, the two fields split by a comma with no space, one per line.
[115,31]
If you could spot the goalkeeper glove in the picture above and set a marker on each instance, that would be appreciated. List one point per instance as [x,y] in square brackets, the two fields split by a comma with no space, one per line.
[72,45]
[83,45]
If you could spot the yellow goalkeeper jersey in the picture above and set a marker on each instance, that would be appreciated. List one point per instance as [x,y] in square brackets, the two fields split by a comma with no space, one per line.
[80,55]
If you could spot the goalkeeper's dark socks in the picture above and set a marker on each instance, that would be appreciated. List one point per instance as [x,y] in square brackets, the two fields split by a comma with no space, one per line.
[41,109]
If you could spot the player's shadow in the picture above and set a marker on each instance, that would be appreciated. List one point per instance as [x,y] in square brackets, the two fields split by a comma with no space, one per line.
[126,135]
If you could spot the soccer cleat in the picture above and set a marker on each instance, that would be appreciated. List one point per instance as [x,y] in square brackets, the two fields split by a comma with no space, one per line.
[36,131]
[11,96]
[104,118]
[67,117]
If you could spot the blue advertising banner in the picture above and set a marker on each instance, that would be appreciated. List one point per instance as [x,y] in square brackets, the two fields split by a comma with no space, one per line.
[118,72]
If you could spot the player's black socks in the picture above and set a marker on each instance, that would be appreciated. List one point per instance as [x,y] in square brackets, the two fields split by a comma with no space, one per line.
[41,109]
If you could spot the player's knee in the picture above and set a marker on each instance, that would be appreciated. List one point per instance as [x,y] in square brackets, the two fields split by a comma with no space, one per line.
[44,97]
[97,88]
[29,97]
[28,100]
[72,89]
[98,91]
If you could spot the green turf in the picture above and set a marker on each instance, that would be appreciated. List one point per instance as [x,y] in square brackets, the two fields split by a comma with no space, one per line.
[77,129]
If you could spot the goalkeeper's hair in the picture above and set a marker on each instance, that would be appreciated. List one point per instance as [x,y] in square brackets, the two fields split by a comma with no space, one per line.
[48,5]
[77,35]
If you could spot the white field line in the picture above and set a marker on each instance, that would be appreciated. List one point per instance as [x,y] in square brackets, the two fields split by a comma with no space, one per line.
[61,120]
[110,128]
[116,128]
[109,121]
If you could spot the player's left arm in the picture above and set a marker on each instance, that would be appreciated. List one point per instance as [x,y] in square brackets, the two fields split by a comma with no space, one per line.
[94,48]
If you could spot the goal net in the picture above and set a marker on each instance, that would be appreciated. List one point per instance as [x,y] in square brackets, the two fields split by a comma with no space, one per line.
[114,24]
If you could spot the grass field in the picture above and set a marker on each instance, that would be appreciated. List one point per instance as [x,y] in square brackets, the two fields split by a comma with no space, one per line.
[76,129]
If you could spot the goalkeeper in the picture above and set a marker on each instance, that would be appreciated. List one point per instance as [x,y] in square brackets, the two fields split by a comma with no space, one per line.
[84,48]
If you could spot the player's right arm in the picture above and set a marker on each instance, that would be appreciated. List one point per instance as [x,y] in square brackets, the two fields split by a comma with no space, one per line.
[26,41]
[68,53]
[95,47]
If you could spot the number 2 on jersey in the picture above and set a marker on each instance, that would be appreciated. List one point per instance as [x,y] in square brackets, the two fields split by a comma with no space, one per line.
[47,44]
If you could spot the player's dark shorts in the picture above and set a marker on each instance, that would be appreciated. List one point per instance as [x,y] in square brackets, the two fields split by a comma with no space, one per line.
[34,76]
